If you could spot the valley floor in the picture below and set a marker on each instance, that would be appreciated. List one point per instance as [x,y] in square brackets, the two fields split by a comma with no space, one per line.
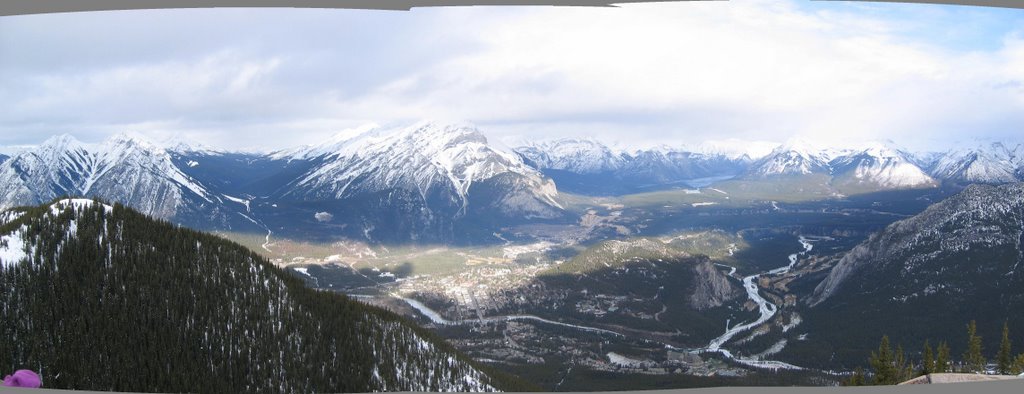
[603,301]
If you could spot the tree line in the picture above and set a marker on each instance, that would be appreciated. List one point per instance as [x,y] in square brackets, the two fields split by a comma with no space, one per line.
[891,366]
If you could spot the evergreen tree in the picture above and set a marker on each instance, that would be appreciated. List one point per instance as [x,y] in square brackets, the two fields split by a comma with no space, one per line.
[882,363]
[927,359]
[942,359]
[155,307]
[1018,365]
[1004,359]
[973,359]
[900,365]
[857,379]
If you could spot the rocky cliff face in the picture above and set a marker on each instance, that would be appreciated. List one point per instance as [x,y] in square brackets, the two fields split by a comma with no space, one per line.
[712,288]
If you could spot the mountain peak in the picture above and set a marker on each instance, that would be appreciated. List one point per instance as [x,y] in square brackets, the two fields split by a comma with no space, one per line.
[445,134]
[127,138]
[734,148]
[61,142]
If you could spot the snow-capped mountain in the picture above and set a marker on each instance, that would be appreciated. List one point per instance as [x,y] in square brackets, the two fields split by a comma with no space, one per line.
[122,168]
[667,165]
[588,166]
[992,163]
[421,182]
[432,181]
[733,148]
[59,166]
[424,182]
[142,176]
[426,158]
[794,158]
[334,145]
[581,156]
[880,165]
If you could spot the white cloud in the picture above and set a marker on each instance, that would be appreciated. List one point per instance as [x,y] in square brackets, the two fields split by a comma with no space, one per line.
[643,73]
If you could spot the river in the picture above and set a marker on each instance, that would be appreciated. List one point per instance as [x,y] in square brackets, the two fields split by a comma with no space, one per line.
[766,310]
[436,318]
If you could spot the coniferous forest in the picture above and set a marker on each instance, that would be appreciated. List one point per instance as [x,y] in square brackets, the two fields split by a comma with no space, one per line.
[110,299]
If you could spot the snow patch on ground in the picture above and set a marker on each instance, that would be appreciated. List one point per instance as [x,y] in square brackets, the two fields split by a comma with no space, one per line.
[624,361]
[511,252]
[794,321]
[9,216]
[323,217]
[76,204]
[240,201]
[12,248]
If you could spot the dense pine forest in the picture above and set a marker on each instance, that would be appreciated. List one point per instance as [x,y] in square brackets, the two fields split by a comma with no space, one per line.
[109,299]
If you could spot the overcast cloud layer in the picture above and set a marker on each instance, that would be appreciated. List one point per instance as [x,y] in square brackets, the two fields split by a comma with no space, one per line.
[663,73]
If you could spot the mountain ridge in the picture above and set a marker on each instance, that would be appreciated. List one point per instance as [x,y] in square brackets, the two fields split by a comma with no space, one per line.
[438,182]
[186,311]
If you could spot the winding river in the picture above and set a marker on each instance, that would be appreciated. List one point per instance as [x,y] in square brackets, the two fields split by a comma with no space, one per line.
[766,311]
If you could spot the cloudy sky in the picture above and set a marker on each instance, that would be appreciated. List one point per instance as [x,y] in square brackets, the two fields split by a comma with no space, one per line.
[661,73]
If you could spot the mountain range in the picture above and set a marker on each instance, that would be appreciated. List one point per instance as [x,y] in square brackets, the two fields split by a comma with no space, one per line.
[586,166]
[432,182]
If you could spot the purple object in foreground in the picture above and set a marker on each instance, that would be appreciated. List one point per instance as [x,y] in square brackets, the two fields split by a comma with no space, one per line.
[23,378]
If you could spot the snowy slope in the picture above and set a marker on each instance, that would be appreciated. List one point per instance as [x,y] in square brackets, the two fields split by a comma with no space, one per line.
[582,156]
[794,158]
[881,165]
[122,168]
[142,175]
[733,148]
[989,163]
[59,166]
[590,167]
[979,220]
[427,158]
[335,144]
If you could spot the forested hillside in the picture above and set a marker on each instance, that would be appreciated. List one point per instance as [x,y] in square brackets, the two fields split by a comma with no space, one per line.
[99,297]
